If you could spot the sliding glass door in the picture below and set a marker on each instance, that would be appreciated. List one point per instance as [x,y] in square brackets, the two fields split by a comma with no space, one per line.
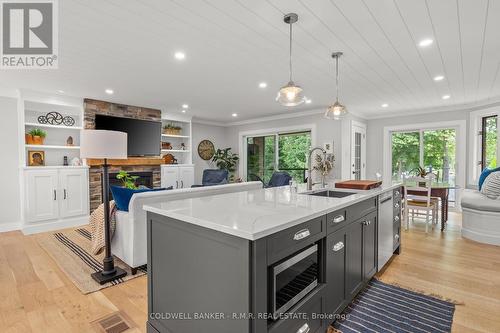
[277,152]
[405,153]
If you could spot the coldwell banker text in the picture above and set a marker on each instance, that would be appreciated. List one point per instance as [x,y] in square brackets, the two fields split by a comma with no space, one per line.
[29,34]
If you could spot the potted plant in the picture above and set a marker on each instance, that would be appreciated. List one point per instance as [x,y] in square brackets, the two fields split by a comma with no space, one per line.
[172,129]
[127,180]
[36,136]
[422,173]
[224,159]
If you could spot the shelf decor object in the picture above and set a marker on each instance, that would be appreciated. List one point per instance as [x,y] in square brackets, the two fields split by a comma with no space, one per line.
[36,158]
[336,111]
[55,118]
[102,144]
[290,94]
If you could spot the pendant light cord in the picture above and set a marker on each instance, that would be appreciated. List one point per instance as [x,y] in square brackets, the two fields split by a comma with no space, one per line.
[337,75]
[290,64]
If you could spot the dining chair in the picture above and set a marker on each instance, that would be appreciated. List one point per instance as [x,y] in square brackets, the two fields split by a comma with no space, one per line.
[421,201]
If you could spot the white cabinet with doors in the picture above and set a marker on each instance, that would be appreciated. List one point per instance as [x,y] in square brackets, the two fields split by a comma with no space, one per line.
[177,176]
[56,193]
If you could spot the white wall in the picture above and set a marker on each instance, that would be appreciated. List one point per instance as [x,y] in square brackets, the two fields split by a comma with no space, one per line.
[375,134]
[216,134]
[10,206]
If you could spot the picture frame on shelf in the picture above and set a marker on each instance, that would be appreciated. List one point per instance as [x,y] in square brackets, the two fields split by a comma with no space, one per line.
[36,158]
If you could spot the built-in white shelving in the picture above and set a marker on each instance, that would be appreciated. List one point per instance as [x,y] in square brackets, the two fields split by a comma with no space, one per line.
[183,156]
[54,126]
[174,136]
[52,147]
[174,151]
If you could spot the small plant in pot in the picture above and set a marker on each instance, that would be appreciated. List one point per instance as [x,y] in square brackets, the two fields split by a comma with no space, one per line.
[127,180]
[36,136]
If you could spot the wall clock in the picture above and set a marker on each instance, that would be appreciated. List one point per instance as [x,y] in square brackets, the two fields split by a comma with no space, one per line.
[206,149]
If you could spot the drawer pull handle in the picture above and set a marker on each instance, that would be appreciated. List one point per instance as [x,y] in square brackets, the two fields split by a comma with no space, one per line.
[302,234]
[55,195]
[337,247]
[338,219]
[367,222]
[397,237]
[304,328]
[396,218]
[396,205]
[398,193]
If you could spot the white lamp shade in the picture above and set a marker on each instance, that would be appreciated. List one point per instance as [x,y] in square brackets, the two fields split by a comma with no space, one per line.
[103,144]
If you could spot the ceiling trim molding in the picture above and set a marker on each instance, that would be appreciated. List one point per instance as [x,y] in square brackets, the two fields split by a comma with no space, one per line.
[460,107]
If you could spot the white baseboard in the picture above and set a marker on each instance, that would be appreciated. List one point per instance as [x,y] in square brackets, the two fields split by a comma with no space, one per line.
[33,228]
[11,226]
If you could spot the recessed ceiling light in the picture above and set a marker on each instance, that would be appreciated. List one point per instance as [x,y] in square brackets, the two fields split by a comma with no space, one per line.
[185,106]
[60,91]
[263,85]
[384,105]
[183,111]
[180,55]
[425,42]
[446,97]
[439,78]
[308,101]
[109,91]
[234,115]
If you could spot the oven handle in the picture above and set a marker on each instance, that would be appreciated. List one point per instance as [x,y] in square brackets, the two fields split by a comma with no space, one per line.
[293,260]
[304,328]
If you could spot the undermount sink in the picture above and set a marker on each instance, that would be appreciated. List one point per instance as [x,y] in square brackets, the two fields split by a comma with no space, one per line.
[332,194]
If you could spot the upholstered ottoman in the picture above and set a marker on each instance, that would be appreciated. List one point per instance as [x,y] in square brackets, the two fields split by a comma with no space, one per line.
[480,218]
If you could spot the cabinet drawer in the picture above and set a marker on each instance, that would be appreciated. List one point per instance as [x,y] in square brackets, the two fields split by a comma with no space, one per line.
[286,242]
[304,321]
[336,220]
[361,209]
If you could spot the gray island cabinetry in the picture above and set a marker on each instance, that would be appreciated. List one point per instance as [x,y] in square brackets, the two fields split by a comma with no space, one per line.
[269,261]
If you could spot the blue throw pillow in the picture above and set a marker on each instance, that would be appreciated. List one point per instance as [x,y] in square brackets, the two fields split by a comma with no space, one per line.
[122,195]
[486,172]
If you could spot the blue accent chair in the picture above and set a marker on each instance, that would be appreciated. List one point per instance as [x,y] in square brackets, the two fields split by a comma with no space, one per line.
[213,177]
[279,178]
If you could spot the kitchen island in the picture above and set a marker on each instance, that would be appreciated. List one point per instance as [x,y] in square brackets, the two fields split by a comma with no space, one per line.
[267,260]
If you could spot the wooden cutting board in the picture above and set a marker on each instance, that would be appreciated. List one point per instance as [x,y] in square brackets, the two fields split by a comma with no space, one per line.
[359,184]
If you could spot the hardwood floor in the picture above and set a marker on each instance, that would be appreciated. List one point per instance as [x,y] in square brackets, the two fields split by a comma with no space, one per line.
[36,296]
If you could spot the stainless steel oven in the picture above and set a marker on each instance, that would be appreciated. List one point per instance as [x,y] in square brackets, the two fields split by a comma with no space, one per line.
[294,278]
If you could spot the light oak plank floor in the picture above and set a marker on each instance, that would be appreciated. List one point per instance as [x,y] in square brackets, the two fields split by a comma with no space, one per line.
[36,296]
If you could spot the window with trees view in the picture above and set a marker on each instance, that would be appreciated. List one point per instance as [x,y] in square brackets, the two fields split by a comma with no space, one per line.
[278,152]
[489,132]
[433,150]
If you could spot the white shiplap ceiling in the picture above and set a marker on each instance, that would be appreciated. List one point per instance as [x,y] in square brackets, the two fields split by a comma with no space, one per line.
[232,45]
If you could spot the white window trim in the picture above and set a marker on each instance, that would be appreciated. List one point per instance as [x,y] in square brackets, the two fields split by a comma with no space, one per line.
[475,124]
[242,138]
[461,138]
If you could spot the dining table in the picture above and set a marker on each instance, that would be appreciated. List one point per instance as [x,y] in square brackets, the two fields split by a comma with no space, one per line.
[441,190]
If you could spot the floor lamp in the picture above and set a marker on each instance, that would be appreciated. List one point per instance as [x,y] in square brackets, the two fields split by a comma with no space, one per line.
[101,144]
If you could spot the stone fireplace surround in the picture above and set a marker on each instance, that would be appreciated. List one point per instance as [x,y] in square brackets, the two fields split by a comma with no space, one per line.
[149,165]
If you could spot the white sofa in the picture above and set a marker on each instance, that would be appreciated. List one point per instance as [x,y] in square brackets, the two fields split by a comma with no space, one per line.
[129,240]
[480,218]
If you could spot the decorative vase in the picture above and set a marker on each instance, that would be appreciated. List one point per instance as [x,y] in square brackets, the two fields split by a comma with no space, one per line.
[37,140]
[28,138]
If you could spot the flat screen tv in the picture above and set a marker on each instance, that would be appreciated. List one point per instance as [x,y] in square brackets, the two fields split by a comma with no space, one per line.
[143,137]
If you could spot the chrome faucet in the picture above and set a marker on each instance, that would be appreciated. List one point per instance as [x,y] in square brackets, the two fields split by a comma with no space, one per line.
[309,169]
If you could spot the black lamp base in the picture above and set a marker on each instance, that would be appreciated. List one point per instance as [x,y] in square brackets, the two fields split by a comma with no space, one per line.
[105,278]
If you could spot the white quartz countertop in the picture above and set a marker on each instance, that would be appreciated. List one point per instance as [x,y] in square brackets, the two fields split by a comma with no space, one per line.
[257,213]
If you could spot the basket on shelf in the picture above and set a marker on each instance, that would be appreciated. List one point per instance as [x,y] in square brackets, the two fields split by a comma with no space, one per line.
[171,129]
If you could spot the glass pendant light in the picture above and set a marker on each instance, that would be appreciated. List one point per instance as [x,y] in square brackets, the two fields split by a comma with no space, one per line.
[291,94]
[336,110]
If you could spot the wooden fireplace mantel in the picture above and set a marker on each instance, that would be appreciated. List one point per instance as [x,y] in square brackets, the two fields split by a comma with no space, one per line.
[129,161]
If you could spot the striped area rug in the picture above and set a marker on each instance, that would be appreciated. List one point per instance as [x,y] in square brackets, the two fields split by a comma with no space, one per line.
[70,249]
[384,308]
